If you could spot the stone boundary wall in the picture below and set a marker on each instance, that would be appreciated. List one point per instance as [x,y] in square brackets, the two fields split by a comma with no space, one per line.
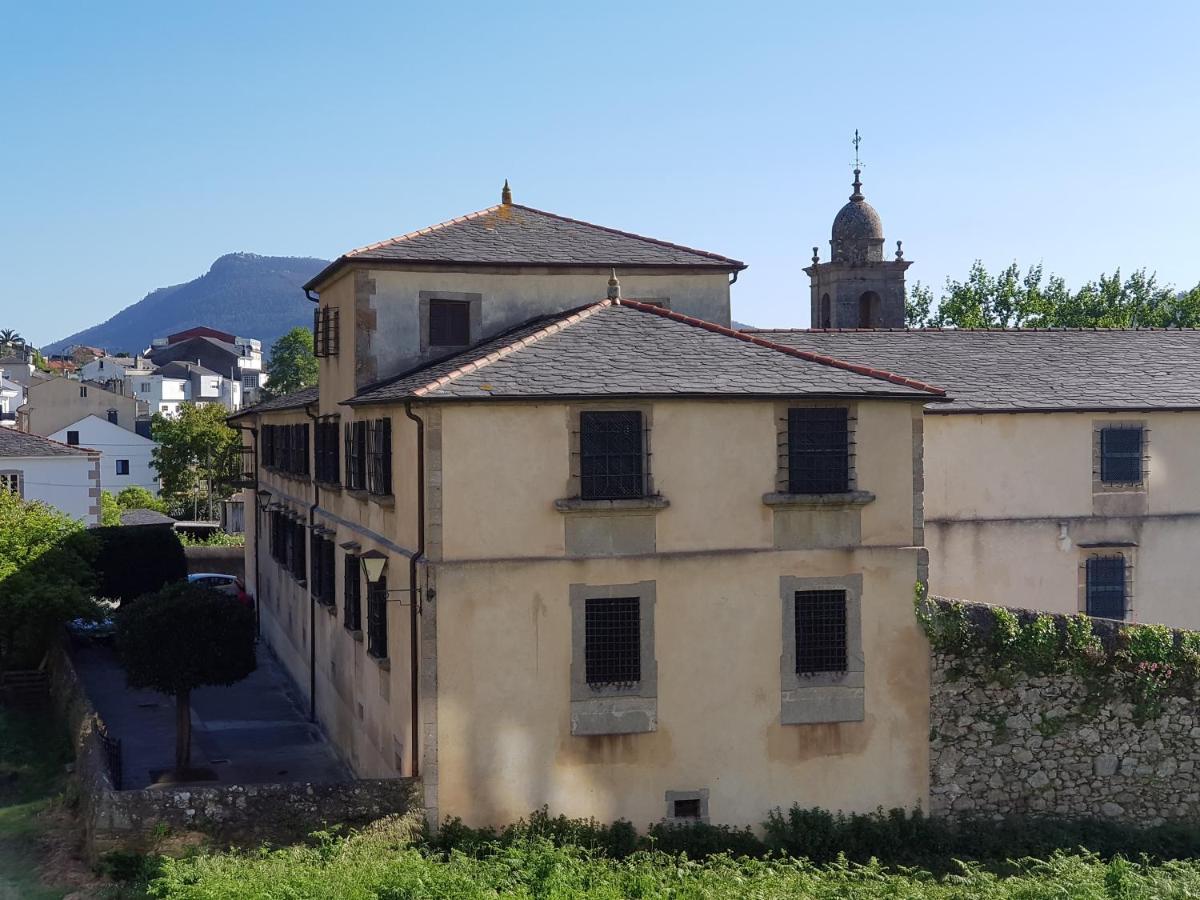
[241,814]
[222,560]
[1039,745]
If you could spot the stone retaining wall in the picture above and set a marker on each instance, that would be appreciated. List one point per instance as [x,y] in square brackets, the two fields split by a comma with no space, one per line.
[1040,745]
[222,560]
[242,814]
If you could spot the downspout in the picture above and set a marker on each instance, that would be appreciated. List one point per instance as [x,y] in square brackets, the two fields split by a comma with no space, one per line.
[312,602]
[257,529]
[414,593]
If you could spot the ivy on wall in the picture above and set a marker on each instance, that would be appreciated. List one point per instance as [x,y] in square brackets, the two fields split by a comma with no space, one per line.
[1144,664]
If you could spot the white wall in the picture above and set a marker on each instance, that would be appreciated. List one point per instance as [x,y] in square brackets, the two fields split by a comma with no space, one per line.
[116,443]
[63,482]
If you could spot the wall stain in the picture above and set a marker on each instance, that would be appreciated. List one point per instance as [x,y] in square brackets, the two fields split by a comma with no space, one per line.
[651,748]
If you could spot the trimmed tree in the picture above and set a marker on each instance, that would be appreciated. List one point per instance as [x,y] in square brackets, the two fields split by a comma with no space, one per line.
[182,638]
[134,560]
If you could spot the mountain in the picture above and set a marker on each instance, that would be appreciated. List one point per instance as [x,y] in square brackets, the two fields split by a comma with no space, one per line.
[242,293]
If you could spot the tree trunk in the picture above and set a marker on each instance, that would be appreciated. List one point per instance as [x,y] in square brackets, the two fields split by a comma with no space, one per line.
[183,731]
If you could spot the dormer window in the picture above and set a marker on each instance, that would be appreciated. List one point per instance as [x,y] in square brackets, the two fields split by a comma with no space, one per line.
[449,323]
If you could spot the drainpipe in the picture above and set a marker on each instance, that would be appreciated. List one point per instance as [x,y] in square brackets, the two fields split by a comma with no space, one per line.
[414,593]
[312,602]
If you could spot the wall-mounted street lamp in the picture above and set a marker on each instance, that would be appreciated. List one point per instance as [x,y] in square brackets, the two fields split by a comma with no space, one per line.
[263,497]
[373,564]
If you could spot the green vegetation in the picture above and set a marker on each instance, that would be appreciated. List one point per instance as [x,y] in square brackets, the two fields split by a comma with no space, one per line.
[293,366]
[216,539]
[133,560]
[1013,300]
[387,861]
[196,457]
[135,497]
[45,577]
[181,638]
[33,752]
[1145,663]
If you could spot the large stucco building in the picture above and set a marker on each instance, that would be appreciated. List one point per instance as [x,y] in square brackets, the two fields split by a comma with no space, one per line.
[538,543]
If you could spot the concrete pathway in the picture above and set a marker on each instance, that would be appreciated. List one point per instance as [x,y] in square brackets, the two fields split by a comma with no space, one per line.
[252,732]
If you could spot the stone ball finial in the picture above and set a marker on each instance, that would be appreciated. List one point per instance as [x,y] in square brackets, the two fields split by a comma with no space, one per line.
[614,286]
[506,194]
[899,249]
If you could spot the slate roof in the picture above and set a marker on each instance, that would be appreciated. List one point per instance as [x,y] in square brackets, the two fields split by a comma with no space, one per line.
[179,369]
[294,400]
[626,348]
[510,234]
[1029,369]
[15,443]
[145,517]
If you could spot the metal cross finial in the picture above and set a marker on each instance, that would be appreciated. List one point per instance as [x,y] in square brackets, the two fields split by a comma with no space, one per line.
[857,140]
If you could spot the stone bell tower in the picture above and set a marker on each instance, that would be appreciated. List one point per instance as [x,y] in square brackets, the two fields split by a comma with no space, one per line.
[857,288]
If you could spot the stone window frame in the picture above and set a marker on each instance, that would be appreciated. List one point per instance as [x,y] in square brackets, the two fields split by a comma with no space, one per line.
[573,501]
[1126,550]
[782,496]
[1119,487]
[671,797]
[822,697]
[474,317]
[613,709]
[9,477]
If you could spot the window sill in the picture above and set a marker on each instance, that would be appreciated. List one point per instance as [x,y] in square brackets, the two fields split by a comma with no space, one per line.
[382,661]
[357,493]
[382,499]
[355,634]
[570,505]
[846,500]
[329,485]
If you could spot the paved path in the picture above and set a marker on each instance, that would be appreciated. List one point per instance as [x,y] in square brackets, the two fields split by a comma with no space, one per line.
[251,732]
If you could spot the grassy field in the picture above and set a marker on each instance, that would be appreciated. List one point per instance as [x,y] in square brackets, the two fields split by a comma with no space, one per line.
[33,751]
[382,863]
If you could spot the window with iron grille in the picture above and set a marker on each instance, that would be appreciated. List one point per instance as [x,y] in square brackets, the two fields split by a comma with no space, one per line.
[820,632]
[377,618]
[379,456]
[1121,455]
[323,570]
[352,601]
[612,641]
[818,450]
[326,445]
[612,463]
[449,323]
[1106,587]
[267,452]
[297,561]
[356,455]
[325,331]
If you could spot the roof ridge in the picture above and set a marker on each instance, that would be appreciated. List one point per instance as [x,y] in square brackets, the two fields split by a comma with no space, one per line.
[511,347]
[996,330]
[832,361]
[632,234]
[420,231]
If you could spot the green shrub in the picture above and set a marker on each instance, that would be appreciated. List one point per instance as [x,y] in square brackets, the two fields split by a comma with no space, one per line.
[135,560]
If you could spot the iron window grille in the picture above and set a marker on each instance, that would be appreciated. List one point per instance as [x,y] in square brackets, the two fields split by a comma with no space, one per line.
[325,332]
[449,323]
[379,456]
[1121,455]
[297,561]
[377,594]
[285,448]
[352,601]
[323,570]
[612,460]
[326,447]
[612,641]
[356,455]
[820,632]
[1106,587]
[818,450]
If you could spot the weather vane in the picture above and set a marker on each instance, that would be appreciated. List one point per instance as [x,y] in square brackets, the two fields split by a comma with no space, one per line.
[857,140]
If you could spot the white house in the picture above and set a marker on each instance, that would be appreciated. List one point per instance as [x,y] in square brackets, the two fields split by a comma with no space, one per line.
[124,455]
[65,477]
[109,368]
[176,383]
[12,395]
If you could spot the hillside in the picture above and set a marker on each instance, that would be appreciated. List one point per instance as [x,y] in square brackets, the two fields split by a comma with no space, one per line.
[242,293]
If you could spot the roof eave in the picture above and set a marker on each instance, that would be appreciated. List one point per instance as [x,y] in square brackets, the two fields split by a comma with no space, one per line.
[910,396]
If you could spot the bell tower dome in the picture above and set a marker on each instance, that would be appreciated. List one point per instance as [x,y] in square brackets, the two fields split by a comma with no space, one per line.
[857,288]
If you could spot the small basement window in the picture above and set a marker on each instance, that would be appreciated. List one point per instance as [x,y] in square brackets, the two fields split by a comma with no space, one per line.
[449,323]
[686,809]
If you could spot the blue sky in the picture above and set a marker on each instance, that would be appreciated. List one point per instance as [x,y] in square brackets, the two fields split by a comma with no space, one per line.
[139,141]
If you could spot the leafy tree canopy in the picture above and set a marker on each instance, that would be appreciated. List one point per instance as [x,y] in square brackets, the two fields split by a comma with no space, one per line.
[45,576]
[1011,299]
[136,497]
[293,366]
[197,453]
[110,509]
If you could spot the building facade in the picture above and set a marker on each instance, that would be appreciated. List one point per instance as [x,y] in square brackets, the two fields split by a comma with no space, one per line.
[65,477]
[609,557]
[55,403]
[125,457]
